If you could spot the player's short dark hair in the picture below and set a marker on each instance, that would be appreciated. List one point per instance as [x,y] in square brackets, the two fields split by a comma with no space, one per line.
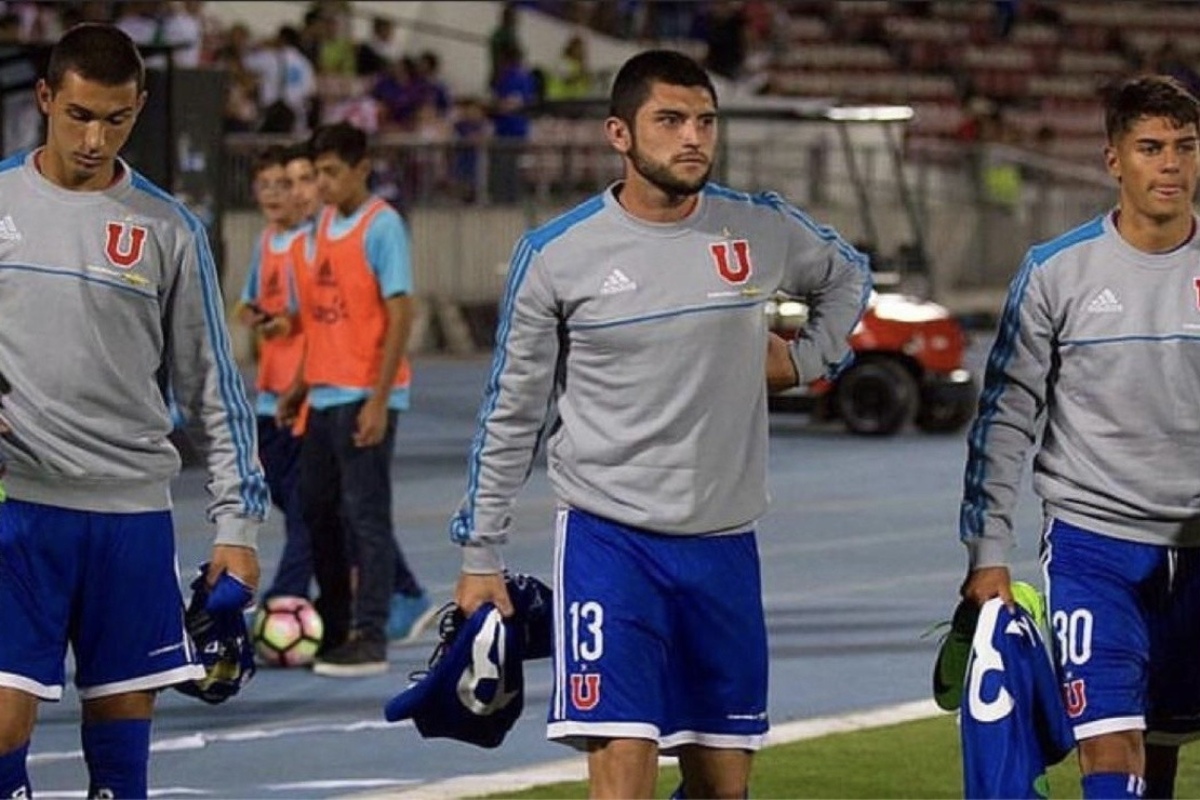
[96,51]
[633,83]
[273,155]
[302,149]
[1147,96]
[342,140]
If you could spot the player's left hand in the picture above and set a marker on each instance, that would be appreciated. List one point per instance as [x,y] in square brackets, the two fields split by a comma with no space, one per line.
[372,422]
[985,583]
[240,562]
[781,370]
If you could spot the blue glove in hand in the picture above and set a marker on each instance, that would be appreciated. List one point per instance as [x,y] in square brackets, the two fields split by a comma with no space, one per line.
[216,624]
[229,594]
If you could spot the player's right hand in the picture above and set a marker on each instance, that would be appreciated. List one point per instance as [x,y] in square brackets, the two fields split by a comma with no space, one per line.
[251,315]
[473,590]
[288,407]
[240,562]
[985,583]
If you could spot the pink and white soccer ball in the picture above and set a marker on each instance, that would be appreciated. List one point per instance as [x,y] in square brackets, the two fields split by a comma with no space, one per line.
[287,632]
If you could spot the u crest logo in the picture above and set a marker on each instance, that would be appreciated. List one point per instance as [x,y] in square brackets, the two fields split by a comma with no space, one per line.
[124,244]
[585,691]
[1074,697]
[736,269]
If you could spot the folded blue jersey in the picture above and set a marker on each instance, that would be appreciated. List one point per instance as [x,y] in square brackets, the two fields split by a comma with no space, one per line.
[217,625]
[474,689]
[1013,724]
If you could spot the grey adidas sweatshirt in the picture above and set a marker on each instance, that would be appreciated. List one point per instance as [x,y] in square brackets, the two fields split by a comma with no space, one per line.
[109,305]
[1096,363]
[637,350]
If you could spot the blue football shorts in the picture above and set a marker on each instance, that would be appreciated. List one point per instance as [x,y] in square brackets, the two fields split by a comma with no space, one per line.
[107,584]
[657,637]
[1125,618]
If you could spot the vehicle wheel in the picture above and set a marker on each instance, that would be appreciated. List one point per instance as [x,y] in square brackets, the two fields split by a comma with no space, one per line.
[945,416]
[876,398]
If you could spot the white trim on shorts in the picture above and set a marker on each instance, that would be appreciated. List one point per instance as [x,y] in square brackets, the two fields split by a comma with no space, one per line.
[716,741]
[143,683]
[1111,725]
[576,734]
[41,691]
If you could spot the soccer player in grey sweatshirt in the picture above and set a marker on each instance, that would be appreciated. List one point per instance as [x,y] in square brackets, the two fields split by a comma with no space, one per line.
[1096,367]
[109,306]
[633,341]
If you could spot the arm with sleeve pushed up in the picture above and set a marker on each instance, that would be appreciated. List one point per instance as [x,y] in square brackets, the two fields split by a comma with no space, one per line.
[245,312]
[513,413]
[250,287]
[388,255]
[835,281]
[208,387]
[1010,406]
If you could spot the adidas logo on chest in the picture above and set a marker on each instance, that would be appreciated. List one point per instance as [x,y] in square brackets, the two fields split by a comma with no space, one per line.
[617,282]
[8,230]
[1105,302]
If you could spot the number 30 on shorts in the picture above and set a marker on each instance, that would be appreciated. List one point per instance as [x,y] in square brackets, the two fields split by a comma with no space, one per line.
[1073,632]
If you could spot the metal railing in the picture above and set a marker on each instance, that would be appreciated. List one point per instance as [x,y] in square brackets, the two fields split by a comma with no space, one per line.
[978,207]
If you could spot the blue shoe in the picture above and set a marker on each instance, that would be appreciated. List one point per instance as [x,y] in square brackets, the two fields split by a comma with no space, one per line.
[409,616]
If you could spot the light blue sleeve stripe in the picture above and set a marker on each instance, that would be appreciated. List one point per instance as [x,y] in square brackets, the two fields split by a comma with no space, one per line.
[522,258]
[846,250]
[239,414]
[1089,230]
[527,247]
[971,522]
[971,516]
[13,161]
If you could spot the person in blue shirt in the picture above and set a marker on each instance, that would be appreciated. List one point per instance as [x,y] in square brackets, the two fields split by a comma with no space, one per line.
[513,92]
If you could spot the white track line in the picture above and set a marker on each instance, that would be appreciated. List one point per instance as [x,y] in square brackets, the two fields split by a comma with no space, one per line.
[575,768]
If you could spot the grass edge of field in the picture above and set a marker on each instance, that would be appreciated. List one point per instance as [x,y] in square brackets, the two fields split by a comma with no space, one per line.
[535,778]
[810,758]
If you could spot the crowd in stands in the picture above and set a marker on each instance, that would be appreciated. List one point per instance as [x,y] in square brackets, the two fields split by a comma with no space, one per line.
[1020,71]
[314,72]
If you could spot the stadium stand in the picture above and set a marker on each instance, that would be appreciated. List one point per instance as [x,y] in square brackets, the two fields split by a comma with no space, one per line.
[1042,75]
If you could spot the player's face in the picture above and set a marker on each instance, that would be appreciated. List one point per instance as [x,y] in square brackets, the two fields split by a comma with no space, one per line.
[674,138]
[273,191]
[1157,164]
[341,184]
[87,124]
[305,199]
